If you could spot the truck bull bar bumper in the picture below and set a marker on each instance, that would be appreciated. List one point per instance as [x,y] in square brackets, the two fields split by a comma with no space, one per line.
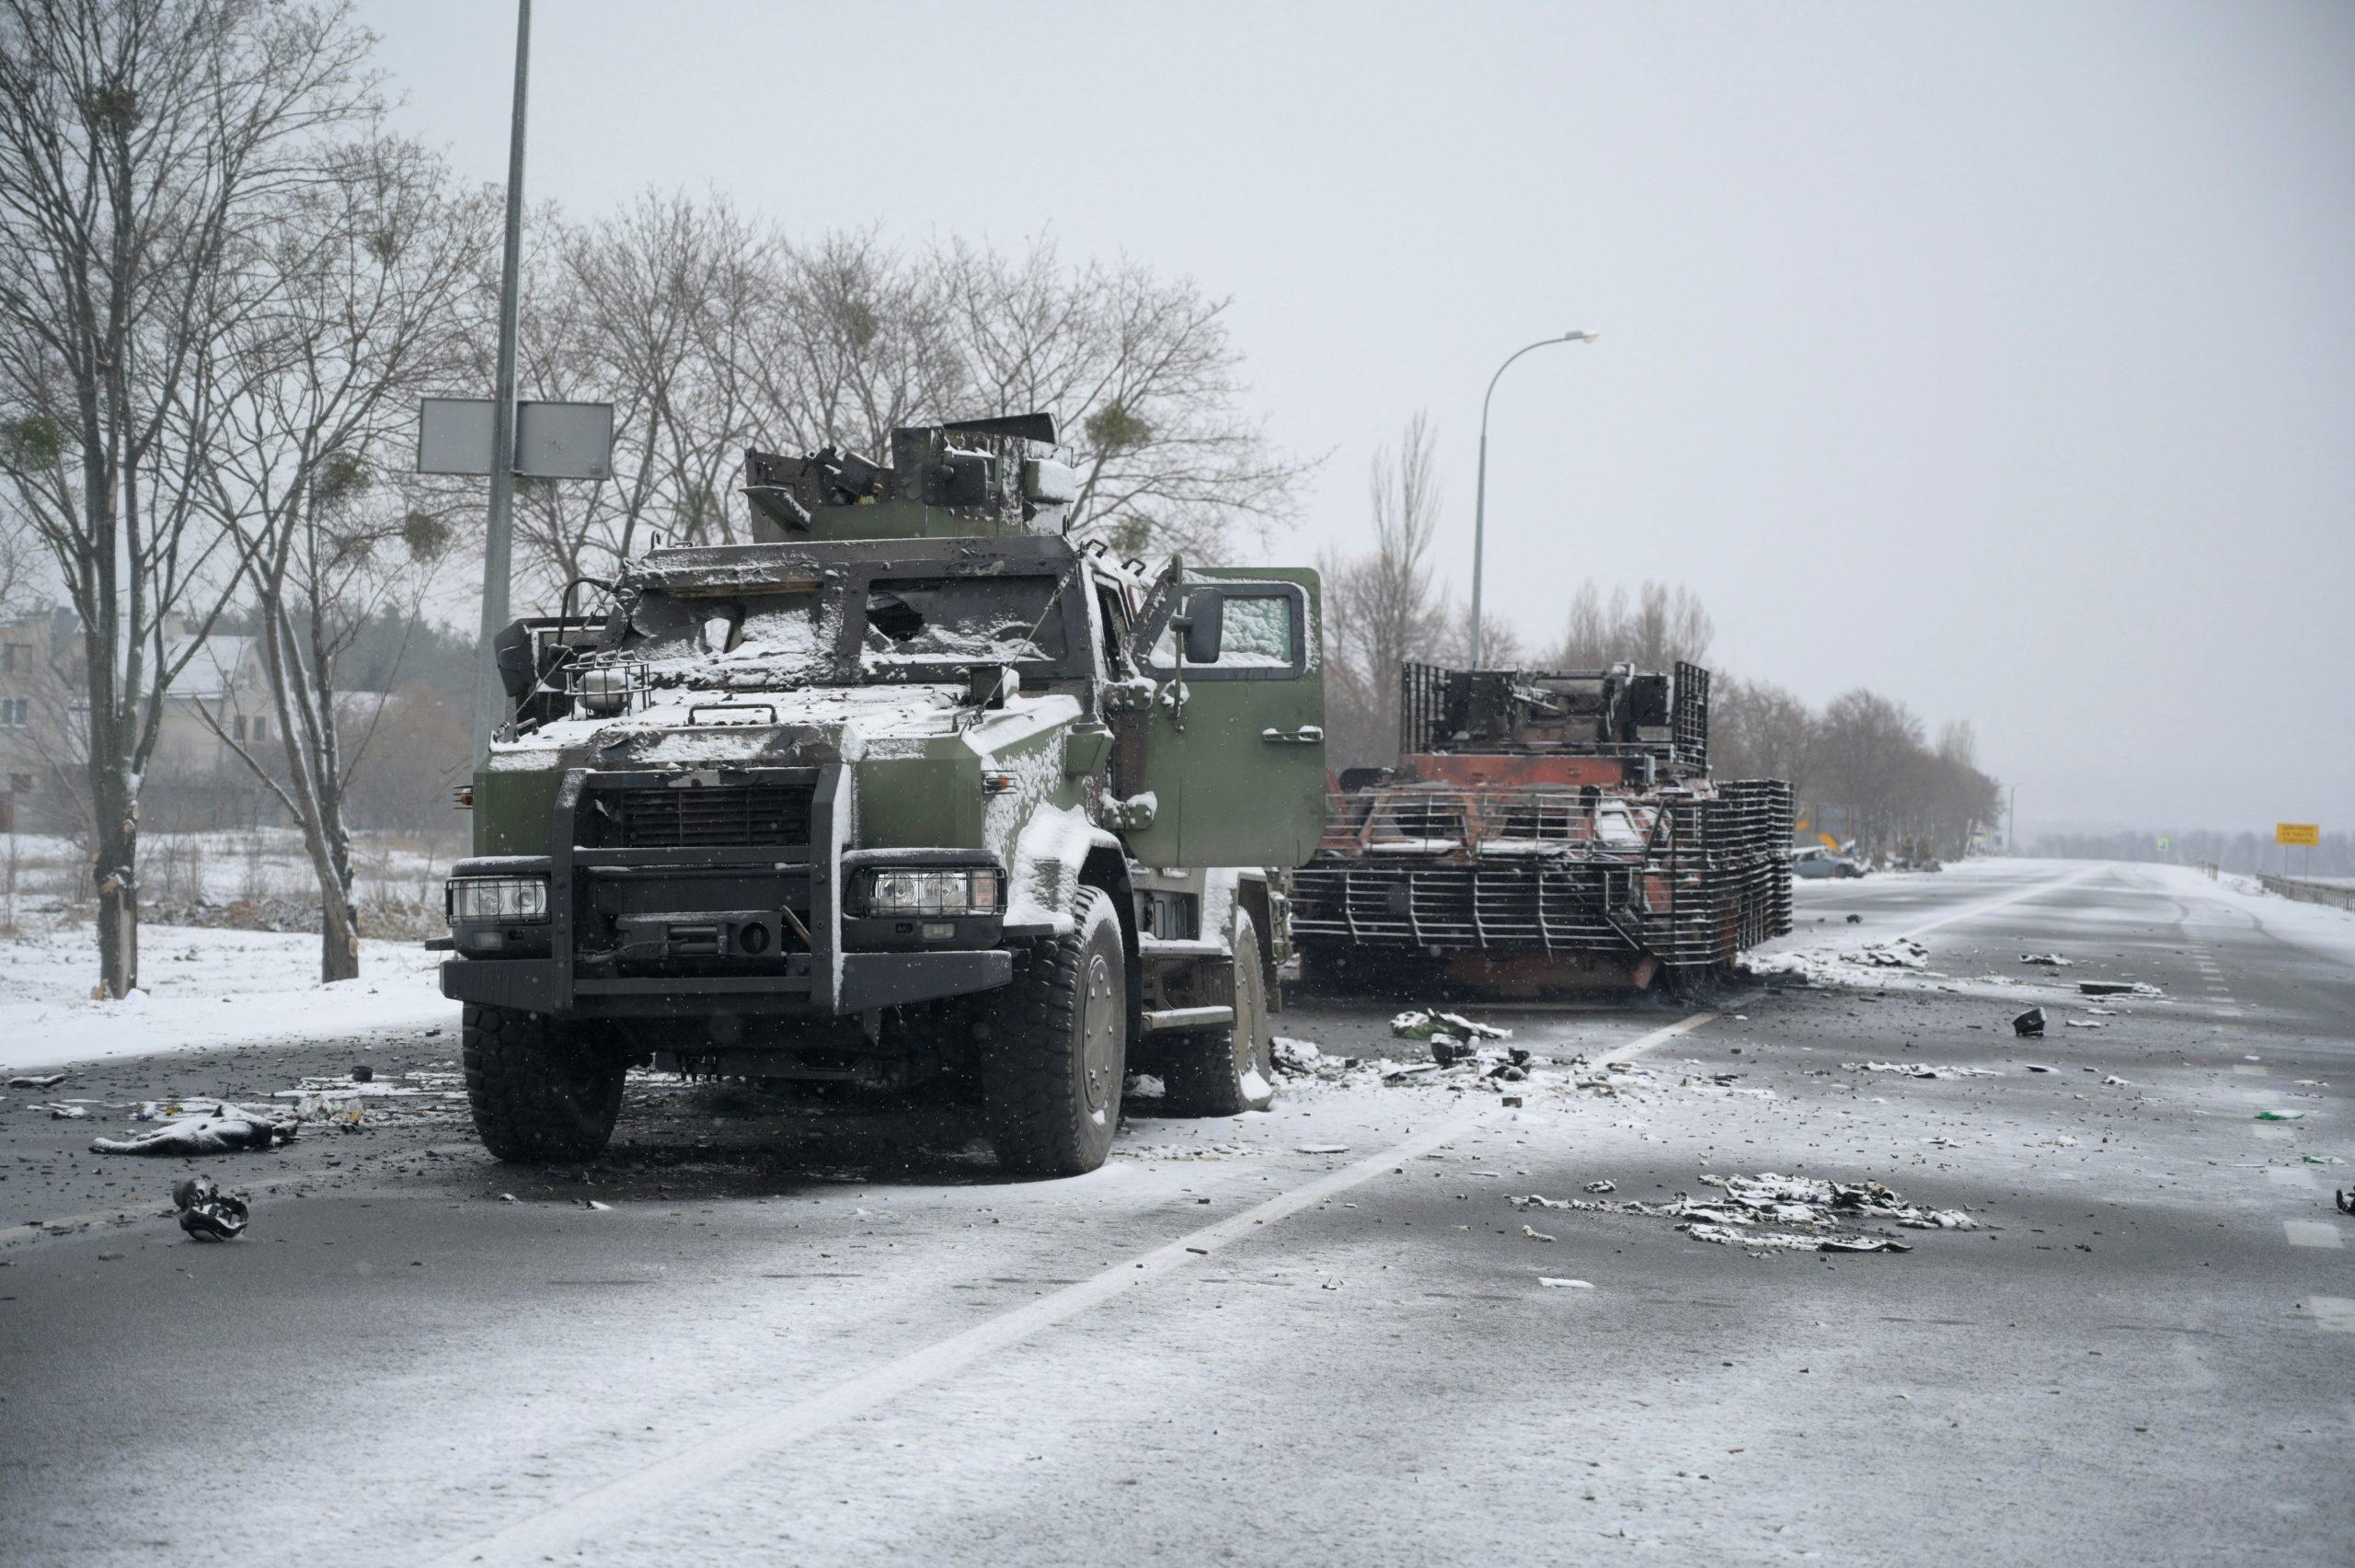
[868,980]
[824,982]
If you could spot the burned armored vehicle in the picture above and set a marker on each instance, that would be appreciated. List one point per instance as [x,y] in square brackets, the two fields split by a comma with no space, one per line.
[911,790]
[1547,830]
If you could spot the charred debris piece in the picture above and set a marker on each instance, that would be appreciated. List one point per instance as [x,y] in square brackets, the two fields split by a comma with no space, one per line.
[1776,1213]
[1547,831]
[206,1212]
[2030,1025]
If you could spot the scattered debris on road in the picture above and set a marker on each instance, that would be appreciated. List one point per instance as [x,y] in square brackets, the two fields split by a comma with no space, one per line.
[1808,1214]
[1437,1025]
[1532,1233]
[1552,1283]
[38,1080]
[2050,960]
[1300,1058]
[2280,1116]
[206,1212]
[2029,1024]
[1602,1186]
[1920,1070]
[2116,987]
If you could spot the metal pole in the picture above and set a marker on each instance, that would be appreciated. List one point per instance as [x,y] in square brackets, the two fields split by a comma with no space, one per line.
[498,550]
[1479,526]
[1480,491]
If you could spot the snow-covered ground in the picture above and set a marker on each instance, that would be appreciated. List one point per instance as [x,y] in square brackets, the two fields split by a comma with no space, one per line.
[2318,929]
[202,989]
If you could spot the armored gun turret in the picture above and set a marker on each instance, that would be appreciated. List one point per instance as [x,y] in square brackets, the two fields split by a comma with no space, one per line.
[1547,831]
[912,789]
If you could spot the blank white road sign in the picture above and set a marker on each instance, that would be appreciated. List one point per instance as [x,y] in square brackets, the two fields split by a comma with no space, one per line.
[553,440]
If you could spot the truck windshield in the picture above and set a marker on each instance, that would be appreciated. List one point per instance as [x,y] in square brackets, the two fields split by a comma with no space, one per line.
[914,622]
[759,639]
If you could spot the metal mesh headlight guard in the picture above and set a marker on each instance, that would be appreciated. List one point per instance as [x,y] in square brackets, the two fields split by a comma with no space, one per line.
[495,899]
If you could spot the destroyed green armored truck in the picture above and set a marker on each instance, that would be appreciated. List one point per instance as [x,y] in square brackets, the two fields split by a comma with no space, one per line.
[911,792]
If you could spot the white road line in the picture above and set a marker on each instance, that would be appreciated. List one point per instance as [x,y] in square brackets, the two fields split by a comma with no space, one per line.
[2289,1176]
[585,1516]
[2312,1233]
[1970,912]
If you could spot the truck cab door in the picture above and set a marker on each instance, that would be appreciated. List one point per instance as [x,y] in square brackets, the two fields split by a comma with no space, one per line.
[1233,752]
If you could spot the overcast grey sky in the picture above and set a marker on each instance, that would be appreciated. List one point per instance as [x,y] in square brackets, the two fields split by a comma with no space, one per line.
[1999,357]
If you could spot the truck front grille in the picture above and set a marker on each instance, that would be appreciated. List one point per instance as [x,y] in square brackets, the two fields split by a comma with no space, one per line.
[716,817]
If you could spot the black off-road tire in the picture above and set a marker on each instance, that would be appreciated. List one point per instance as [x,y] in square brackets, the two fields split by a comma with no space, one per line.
[1057,1054]
[539,1097]
[1224,1072]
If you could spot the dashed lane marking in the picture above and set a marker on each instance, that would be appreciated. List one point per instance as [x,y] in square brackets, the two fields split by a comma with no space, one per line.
[590,1515]
[2312,1233]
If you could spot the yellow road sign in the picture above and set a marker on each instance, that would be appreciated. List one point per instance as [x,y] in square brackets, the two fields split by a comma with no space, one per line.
[2309,833]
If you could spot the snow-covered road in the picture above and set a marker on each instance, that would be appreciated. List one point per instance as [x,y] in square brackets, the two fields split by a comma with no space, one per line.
[1320,1335]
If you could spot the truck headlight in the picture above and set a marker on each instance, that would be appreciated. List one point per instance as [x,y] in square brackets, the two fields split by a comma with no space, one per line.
[495,899]
[930,891]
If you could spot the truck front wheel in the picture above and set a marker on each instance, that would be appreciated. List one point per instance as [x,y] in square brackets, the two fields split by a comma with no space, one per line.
[1224,1072]
[538,1098]
[1058,1050]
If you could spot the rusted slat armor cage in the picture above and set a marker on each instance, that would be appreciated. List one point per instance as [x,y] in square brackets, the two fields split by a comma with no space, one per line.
[1548,830]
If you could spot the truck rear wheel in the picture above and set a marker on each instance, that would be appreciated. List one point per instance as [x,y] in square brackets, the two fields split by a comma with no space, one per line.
[1058,1050]
[1224,1072]
[538,1097]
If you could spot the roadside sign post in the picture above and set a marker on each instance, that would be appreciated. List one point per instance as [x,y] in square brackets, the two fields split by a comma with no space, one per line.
[2308,834]
[502,439]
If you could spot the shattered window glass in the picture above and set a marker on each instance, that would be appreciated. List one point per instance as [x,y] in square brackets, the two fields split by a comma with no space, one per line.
[1258,631]
[999,618]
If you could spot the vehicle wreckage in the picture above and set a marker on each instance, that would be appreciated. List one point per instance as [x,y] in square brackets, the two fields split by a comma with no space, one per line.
[910,790]
[1546,830]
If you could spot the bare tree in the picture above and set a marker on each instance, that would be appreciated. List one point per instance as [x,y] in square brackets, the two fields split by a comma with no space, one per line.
[1661,625]
[852,339]
[1384,608]
[1760,730]
[137,138]
[1144,379]
[303,407]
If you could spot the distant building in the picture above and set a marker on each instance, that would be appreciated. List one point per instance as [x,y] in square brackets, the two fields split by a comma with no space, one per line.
[40,749]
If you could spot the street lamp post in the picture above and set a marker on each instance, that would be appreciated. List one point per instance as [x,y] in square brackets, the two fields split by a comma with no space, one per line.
[1480,494]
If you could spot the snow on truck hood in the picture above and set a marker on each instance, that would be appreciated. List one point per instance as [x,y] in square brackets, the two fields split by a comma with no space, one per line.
[853,722]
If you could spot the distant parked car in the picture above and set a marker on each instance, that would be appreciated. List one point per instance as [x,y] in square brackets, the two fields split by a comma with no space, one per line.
[1820,863]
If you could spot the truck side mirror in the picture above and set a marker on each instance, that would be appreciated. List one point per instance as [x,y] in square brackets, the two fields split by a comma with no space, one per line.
[1204,624]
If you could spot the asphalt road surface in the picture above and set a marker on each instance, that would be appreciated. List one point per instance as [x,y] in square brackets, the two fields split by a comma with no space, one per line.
[813,1333]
